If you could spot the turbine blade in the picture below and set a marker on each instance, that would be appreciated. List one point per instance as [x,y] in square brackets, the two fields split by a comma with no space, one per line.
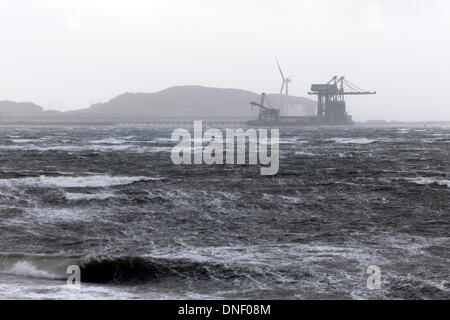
[279,68]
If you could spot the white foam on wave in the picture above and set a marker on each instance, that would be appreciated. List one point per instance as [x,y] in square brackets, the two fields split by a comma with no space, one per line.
[292,199]
[280,141]
[352,140]
[88,196]
[440,135]
[24,140]
[93,147]
[27,269]
[163,139]
[97,181]
[428,181]
[28,288]
[286,254]
[72,214]
[108,141]
[293,141]
[29,147]
[304,153]
[158,149]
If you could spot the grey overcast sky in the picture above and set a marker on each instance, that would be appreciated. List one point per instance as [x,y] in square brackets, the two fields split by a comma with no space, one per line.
[67,54]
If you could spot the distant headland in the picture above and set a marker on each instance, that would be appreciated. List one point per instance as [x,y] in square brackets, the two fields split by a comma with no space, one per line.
[180,102]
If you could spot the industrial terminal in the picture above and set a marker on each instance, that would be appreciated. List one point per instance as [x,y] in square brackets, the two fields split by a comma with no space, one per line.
[331,105]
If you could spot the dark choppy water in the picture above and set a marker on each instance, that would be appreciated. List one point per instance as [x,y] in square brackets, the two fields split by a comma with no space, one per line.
[110,200]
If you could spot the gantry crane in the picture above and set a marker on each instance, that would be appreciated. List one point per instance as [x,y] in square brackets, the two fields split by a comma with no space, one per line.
[331,99]
[265,113]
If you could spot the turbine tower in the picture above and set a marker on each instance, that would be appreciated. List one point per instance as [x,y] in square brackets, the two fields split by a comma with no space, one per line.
[282,103]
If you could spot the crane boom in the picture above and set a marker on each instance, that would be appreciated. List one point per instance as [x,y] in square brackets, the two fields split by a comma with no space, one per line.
[256,104]
[358,93]
[348,93]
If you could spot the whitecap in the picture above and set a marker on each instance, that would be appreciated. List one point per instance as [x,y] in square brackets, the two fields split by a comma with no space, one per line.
[93,181]
[27,269]
[428,181]
[352,140]
[108,141]
[304,153]
[93,147]
[88,196]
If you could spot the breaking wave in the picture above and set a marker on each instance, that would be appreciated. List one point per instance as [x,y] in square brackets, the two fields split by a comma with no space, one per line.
[88,196]
[304,153]
[94,147]
[97,181]
[108,141]
[136,270]
[428,181]
[27,269]
[117,270]
[352,140]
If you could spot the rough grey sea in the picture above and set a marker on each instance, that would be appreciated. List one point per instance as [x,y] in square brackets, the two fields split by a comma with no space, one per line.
[110,200]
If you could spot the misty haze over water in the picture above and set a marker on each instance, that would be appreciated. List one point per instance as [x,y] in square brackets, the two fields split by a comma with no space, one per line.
[67,55]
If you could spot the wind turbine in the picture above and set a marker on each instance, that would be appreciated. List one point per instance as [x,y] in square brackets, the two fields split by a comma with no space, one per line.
[286,81]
